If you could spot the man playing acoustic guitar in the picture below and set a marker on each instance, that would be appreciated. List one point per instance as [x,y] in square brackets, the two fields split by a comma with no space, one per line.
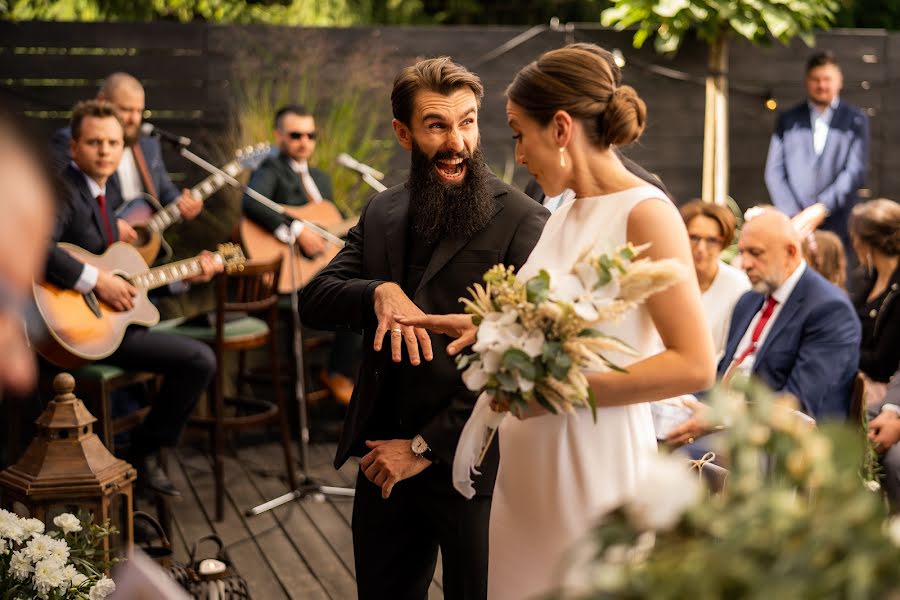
[287,178]
[86,219]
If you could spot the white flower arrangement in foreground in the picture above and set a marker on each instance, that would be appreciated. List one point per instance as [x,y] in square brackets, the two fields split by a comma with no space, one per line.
[536,339]
[55,566]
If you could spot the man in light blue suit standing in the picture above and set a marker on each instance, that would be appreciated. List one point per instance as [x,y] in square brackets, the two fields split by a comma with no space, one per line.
[818,154]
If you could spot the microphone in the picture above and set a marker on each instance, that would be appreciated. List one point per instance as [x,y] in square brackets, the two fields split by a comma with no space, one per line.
[345,160]
[178,140]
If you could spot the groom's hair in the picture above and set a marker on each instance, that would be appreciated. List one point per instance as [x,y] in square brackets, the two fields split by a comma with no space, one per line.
[440,75]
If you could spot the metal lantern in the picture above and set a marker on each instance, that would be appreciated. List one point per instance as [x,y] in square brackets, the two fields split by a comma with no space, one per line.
[67,468]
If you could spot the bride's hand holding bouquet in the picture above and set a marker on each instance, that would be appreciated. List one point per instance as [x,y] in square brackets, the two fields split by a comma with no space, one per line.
[533,340]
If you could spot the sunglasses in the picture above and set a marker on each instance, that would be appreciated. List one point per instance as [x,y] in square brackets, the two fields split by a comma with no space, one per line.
[296,135]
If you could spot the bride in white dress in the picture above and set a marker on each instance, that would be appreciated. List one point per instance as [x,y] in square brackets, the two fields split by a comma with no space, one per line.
[559,473]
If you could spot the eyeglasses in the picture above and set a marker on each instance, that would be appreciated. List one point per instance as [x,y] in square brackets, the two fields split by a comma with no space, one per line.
[296,135]
[712,242]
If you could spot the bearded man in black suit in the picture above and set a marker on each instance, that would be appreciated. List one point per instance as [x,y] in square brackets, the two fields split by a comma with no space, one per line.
[417,247]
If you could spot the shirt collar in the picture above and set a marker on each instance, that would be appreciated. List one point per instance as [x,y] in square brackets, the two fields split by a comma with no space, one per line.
[93,186]
[785,290]
[298,167]
[814,110]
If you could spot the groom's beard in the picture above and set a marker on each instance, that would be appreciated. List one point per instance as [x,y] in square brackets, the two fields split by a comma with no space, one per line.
[445,210]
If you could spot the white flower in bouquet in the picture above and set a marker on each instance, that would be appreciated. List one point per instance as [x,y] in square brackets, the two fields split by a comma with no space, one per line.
[77,579]
[42,547]
[20,565]
[32,527]
[67,523]
[50,574]
[11,527]
[666,491]
[103,588]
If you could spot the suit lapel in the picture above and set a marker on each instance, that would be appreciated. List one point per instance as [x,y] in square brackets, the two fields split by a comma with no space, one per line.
[447,248]
[793,304]
[396,226]
[739,326]
[805,119]
[92,204]
[838,123]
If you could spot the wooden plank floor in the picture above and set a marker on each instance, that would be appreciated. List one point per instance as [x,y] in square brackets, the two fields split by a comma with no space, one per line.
[300,550]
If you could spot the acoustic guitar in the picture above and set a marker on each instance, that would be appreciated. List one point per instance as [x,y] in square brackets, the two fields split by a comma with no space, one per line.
[260,244]
[76,328]
[149,219]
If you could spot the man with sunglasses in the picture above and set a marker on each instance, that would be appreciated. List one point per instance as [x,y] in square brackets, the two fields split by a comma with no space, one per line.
[287,178]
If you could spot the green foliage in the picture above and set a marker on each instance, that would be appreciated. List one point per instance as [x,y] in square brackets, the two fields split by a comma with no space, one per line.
[344,122]
[755,20]
[794,520]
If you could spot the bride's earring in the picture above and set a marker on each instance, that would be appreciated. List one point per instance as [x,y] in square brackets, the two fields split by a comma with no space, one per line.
[562,157]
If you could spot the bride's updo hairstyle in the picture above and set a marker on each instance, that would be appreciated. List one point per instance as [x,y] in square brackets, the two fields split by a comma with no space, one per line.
[583,80]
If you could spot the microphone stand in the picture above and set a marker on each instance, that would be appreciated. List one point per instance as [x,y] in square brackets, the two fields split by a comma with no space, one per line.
[308,487]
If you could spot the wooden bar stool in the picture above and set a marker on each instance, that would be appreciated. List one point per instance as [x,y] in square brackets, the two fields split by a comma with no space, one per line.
[239,295]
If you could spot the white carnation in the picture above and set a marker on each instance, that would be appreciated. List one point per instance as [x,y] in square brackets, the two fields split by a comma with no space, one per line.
[20,565]
[68,523]
[103,588]
[11,526]
[78,580]
[39,547]
[665,492]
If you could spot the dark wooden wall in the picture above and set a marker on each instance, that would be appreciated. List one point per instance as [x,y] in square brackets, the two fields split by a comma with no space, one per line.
[189,73]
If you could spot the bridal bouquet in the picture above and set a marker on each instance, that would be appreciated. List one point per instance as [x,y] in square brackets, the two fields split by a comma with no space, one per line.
[536,338]
[64,564]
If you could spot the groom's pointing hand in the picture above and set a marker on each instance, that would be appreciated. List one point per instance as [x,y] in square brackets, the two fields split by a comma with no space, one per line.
[389,462]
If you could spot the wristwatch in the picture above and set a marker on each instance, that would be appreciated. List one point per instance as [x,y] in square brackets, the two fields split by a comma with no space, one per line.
[420,448]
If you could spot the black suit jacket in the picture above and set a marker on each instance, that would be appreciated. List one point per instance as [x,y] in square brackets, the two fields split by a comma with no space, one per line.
[165,189]
[277,181]
[79,222]
[533,188]
[341,297]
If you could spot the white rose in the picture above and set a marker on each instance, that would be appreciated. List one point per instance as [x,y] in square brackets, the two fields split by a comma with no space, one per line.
[68,523]
[665,492]
[103,588]
[475,376]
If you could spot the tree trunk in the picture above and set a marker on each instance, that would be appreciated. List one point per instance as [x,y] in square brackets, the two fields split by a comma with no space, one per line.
[715,131]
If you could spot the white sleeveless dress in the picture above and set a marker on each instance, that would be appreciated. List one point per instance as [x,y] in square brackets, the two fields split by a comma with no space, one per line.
[559,473]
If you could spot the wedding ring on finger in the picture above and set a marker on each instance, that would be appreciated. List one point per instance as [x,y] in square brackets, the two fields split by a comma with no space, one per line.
[690,440]
[397,331]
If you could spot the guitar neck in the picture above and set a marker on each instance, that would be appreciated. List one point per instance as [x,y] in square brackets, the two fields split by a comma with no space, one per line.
[166,274]
[170,214]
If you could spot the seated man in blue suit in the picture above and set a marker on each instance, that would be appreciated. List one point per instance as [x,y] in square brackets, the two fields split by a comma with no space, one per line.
[794,330]
[818,154]
[141,170]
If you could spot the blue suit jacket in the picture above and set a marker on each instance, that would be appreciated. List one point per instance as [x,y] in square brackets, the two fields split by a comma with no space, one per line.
[165,189]
[796,178]
[812,349]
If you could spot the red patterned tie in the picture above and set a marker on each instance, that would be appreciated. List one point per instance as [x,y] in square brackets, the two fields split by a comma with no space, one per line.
[101,200]
[768,309]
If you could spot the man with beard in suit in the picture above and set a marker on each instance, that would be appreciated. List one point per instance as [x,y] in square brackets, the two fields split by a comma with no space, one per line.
[417,247]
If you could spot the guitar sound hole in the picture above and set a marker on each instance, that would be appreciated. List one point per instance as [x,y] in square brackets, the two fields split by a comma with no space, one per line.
[143,236]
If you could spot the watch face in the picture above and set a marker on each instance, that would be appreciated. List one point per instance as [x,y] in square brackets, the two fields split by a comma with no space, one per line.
[418,445]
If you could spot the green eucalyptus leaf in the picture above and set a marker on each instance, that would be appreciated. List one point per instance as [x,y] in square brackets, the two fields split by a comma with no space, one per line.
[516,360]
[538,287]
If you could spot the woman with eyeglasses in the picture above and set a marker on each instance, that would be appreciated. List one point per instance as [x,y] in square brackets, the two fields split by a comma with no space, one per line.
[710,229]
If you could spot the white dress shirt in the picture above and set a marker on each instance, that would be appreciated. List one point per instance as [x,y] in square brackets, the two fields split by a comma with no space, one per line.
[781,296]
[88,278]
[129,176]
[821,123]
[283,232]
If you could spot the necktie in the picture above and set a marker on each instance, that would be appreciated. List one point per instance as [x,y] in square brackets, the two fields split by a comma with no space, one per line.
[768,309]
[101,200]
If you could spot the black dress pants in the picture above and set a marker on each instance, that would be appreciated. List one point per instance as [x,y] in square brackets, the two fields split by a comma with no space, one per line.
[187,366]
[396,541]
